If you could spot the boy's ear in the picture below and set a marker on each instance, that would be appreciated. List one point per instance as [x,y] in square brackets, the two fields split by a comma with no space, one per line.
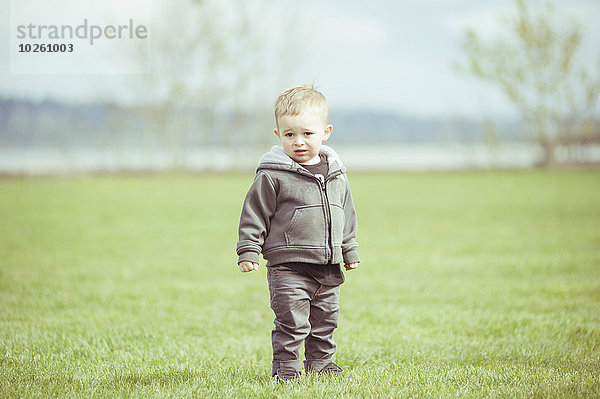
[276,132]
[327,131]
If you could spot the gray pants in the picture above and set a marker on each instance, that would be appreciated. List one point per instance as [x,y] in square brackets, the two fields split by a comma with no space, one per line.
[304,311]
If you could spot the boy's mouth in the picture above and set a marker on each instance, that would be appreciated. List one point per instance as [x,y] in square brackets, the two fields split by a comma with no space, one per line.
[300,152]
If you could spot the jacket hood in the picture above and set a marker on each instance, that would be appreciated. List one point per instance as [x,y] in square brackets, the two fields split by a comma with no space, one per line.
[278,159]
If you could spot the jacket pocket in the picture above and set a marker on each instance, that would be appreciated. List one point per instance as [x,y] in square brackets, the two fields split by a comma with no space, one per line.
[337,224]
[307,227]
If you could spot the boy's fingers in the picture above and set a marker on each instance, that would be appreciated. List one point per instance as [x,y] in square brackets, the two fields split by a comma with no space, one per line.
[248,266]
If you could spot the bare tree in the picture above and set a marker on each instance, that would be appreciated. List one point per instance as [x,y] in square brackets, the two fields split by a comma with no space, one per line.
[221,61]
[536,67]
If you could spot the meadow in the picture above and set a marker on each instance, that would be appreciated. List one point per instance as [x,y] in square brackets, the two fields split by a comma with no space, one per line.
[472,284]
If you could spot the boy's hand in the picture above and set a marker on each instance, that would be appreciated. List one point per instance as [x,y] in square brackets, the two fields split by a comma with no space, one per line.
[351,266]
[246,266]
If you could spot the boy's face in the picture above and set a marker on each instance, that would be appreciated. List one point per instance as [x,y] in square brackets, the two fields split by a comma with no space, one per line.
[302,135]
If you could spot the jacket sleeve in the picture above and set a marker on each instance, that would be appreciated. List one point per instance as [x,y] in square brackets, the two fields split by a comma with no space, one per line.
[255,220]
[349,245]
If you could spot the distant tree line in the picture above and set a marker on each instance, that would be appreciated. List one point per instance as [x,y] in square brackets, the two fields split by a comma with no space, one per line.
[27,123]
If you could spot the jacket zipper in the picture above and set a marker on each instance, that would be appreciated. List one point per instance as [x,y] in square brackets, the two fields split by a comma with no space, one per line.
[324,185]
[325,199]
[327,212]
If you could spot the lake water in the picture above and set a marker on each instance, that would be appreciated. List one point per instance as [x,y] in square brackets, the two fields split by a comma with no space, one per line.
[356,157]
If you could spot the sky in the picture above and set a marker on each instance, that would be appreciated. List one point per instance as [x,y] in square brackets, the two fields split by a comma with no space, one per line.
[383,56]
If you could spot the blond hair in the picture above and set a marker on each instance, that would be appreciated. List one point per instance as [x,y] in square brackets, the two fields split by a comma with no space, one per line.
[296,100]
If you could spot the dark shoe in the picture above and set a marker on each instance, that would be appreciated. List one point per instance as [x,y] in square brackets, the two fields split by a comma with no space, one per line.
[286,374]
[332,369]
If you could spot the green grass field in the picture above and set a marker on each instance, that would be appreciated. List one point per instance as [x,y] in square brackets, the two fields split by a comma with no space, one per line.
[472,284]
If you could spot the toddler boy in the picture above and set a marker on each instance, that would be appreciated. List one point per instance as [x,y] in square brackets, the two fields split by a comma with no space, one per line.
[299,214]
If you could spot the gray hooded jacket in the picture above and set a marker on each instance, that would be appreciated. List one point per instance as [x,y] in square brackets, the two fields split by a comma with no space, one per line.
[291,216]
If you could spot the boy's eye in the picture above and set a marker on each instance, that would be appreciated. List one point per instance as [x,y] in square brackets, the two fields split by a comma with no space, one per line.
[308,133]
[289,135]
